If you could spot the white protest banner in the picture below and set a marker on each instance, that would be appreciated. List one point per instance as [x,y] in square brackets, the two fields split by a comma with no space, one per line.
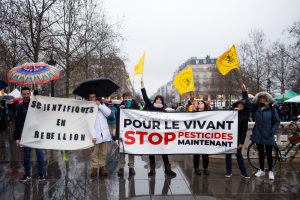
[146,132]
[59,123]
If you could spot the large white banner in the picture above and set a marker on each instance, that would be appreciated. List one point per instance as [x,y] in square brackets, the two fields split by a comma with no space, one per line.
[146,132]
[59,123]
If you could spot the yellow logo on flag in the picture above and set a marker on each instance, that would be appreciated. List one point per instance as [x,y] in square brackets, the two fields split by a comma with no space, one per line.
[139,67]
[184,81]
[228,61]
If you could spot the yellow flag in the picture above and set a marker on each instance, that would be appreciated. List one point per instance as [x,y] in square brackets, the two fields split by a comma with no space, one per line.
[139,67]
[228,61]
[184,81]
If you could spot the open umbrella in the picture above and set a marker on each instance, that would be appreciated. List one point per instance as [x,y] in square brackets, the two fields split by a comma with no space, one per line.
[33,73]
[295,99]
[6,97]
[287,95]
[102,87]
[2,84]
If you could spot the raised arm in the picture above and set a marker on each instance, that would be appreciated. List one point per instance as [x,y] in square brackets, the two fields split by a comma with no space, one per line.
[145,96]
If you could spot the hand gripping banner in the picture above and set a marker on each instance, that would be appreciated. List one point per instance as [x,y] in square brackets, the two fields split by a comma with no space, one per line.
[147,132]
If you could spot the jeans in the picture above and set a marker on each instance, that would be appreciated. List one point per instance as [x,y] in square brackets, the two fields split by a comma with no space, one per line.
[27,162]
[164,157]
[240,161]
[261,156]
[196,159]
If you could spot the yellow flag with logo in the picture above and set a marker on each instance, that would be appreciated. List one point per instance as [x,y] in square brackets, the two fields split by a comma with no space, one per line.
[184,81]
[139,67]
[228,61]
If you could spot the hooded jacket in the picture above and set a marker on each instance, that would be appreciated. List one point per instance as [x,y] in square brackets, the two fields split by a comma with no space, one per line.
[243,117]
[265,117]
[149,105]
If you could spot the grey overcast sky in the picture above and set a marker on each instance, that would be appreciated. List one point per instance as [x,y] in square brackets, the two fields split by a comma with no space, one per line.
[171,31]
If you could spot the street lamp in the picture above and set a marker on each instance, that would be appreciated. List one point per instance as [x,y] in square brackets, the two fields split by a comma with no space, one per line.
[53,63]
[268,85]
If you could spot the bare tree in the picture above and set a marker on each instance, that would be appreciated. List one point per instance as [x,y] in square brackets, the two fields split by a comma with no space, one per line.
[252,55]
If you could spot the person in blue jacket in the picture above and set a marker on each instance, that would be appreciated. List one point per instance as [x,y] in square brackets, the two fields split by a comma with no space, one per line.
[266,123]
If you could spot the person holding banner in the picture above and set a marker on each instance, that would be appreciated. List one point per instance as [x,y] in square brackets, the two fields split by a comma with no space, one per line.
[127,103]
[21,113]
[243,117]
[266,123]
[101,137]
[157,105]
[199,106]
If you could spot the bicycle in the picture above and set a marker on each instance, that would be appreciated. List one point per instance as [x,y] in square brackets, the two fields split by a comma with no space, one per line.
[278,154]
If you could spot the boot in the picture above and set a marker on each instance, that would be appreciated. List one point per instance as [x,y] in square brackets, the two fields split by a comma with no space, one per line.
[152,170]
[197,171]
[121,172]
[102,172]
[206,172]
[94,172]
[168,170]
[131,171]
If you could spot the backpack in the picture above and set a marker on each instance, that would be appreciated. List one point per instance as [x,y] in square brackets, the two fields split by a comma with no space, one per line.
[112,116]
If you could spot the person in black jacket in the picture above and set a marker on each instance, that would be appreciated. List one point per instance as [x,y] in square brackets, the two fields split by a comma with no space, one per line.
[127,103]
[21,113]
[157,105]
[243,118]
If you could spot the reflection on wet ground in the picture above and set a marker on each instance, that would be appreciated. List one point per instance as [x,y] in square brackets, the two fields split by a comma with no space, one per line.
[68,177]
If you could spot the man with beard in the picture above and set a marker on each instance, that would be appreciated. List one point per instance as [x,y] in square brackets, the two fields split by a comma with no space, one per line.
[21,113]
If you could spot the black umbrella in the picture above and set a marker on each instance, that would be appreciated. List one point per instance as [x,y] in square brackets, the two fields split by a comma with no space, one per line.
[102,87]
[6,97]
[2,84]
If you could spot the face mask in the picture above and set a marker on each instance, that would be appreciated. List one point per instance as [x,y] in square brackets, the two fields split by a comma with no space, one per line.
[127,103]
[158,105]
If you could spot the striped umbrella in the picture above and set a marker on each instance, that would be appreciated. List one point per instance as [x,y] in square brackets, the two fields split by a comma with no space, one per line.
[32,74]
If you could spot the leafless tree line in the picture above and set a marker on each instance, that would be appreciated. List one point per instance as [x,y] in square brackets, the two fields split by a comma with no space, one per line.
[77,34]
[268,66]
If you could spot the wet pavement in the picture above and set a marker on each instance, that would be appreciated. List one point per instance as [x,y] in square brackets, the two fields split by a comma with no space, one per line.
[68,177]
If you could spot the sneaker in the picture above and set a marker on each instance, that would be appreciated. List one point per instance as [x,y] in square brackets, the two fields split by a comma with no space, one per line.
[41,177]
[228,174]
[259,173]
[25,178]
[245,176]
[271,175]
[206,172]
[198,172]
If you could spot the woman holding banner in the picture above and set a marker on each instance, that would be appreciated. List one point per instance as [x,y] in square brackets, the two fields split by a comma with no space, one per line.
[200,106]
[266,123]
[243,117]
[157,105]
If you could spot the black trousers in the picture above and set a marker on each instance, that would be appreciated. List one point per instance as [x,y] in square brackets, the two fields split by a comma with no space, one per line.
[205,161]
[261,156]
[164,157]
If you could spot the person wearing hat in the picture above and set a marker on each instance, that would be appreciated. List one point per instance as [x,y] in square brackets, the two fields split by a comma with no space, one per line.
[243,117]
[127,103]
[266,123]
[157,105]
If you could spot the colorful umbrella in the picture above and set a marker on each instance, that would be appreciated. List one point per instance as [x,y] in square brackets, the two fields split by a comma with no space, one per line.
[33,73]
